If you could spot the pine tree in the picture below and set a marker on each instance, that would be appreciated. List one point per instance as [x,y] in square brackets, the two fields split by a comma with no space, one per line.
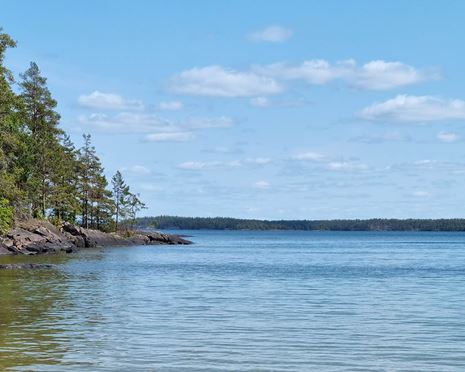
[41,172]
[120,196]
[64,199]
[88,163]
[103,205]
[44,136]
[12,198]
[134,206]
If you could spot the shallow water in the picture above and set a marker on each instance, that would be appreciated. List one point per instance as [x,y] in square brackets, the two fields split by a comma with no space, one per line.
[242,301]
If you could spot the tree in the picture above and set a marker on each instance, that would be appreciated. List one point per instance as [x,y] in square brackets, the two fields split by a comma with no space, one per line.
[120,196]
[42,122]
[135,205]
[102,204]
[88,167]
[11,135]
[64,199]
[41,172]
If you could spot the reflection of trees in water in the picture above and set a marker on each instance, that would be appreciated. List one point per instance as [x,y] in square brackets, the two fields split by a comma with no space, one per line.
[31,327]
[53,319]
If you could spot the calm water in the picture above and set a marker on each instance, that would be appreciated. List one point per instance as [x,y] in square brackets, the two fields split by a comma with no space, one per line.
[243,301]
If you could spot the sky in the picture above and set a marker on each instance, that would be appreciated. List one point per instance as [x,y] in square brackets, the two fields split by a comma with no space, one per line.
[263,109]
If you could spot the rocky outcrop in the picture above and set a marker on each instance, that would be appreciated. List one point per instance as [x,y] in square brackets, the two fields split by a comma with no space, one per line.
[39,237]
[25,266]
[88,238]
[159,238]
[36,237]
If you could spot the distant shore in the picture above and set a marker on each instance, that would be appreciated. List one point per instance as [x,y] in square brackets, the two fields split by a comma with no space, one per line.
[374,224]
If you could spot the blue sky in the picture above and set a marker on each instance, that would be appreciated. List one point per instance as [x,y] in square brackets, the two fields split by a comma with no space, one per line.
[263,109]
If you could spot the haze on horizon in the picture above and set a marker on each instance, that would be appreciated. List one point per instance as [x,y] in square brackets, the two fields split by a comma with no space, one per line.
[319,110]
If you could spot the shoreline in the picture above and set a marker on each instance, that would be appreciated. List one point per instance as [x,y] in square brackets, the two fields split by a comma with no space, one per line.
[35,237]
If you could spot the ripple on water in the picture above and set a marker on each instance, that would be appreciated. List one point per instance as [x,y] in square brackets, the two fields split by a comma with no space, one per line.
[243,301]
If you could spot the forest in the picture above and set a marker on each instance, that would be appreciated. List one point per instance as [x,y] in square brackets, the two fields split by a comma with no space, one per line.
[43,175]
[375,224]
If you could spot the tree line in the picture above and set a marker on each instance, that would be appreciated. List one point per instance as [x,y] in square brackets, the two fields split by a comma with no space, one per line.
[375,224]
[42,173]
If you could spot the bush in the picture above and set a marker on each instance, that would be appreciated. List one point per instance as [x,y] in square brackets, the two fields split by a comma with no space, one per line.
[6,216]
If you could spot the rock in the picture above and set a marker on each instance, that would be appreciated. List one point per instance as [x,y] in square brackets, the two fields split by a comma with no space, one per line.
[139,239]
[160,238]
[4,250]
[25,266]
[94,238]
[39,237]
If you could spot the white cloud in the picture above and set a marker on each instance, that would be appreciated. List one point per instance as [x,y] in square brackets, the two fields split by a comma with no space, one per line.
[409,109]
[260,102]
[126,122]
[389,136]
[129,122]
[169,137]
[262,185]
[170,106]
[220,82]
[234,163]
[448,137]
[271,34]
[198,165]
[137,169]
[327,163]
[258,161]
[108,101]
[203,123]
[317,71]
[262,80]
[201,165]
[346,166]
[225,149]
[309,156]
[374,75]
[421,194]
[382,75]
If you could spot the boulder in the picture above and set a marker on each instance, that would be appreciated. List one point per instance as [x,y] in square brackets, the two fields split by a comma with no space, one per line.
[160,238]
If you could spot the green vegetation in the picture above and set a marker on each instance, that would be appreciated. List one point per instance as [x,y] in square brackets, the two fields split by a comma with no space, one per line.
[6,216]
[42,174]
[377,224]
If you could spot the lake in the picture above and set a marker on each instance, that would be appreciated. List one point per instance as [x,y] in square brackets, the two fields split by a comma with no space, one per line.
[242,301]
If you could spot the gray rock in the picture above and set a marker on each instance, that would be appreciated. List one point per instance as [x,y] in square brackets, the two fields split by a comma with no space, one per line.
[25,266]
[39,237]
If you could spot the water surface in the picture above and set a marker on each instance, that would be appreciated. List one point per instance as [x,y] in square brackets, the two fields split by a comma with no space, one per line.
[242,301]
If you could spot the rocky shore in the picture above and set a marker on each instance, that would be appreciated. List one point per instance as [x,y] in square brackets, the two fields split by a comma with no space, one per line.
[41,237]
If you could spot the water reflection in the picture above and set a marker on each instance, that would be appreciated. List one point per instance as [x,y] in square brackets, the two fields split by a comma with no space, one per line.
[36,307]
[29,328]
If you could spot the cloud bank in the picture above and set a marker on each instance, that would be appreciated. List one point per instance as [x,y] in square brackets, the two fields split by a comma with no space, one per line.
[263,80]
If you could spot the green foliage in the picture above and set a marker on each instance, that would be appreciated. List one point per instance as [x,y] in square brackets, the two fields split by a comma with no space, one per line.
[42,174]
[6,216]
[42,121]
[127,204]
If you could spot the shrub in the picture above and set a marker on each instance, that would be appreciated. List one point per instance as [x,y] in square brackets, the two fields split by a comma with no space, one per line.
[6,216]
